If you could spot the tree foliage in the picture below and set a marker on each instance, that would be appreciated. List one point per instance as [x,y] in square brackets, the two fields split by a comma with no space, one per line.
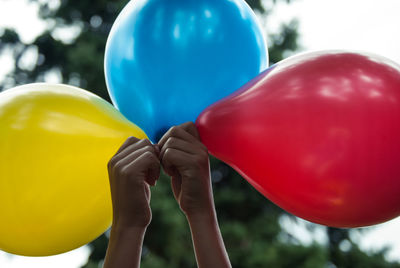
[250,224]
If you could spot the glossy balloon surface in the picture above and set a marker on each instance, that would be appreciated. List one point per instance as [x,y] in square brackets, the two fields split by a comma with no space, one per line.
[167,60]
[317,134]
[55,142]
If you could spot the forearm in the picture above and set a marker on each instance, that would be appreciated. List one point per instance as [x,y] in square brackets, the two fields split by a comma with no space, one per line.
[207,241]
[124,248]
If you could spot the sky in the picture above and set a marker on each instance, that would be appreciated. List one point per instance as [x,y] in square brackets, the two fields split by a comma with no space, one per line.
[362,25]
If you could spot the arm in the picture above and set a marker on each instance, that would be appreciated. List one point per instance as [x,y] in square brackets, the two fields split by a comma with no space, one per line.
[207,241]
[124,248]
[131,171]
[185,159]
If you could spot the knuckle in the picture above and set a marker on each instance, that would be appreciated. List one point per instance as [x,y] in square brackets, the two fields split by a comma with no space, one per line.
[149,155]
[124,172]
[171,141]
[166,155]
[149,148]
[167,152]
[131,139]
[118,167]
[190,125]
[145,142]
[174,130]
[110,163]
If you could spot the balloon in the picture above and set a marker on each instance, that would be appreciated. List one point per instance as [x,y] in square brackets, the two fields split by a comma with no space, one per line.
[167,60]
[55,142]
[317,134]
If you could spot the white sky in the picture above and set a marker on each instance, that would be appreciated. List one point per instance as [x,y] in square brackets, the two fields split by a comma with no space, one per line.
[72,259]
[365,25]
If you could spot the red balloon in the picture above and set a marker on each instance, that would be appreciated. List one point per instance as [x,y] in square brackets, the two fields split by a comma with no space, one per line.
[318,134]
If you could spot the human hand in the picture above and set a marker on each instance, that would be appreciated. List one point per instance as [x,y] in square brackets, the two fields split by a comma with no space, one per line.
[132,170]
[185,159]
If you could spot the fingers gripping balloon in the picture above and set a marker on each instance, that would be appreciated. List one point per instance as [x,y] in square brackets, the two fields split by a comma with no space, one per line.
[318,134]
[55,142]
[167,60]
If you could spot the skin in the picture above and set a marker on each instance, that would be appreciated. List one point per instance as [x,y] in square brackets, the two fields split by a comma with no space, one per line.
[185,159]
[131,171]
[136,167]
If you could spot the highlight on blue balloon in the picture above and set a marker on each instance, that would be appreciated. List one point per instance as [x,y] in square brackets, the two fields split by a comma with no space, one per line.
[167,60]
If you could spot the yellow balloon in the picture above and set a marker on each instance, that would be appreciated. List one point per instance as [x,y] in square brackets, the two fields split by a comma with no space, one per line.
[55,142]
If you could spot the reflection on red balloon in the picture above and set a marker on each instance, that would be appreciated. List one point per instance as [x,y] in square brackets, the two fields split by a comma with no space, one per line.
[318,134]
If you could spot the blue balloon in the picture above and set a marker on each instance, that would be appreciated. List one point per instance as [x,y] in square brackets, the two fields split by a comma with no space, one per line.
[167,60]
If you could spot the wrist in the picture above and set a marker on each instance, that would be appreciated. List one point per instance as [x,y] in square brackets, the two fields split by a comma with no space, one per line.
[119,230]
[125,246]
[203,217]
[131,223]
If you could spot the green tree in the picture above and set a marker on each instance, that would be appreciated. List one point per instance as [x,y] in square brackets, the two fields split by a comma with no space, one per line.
[249,222]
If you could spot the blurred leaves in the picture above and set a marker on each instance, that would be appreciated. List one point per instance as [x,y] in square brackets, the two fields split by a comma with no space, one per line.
[284,43]
[9,37]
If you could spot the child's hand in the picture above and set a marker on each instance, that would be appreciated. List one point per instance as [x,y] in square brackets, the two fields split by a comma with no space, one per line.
[133,168]
[185,159]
